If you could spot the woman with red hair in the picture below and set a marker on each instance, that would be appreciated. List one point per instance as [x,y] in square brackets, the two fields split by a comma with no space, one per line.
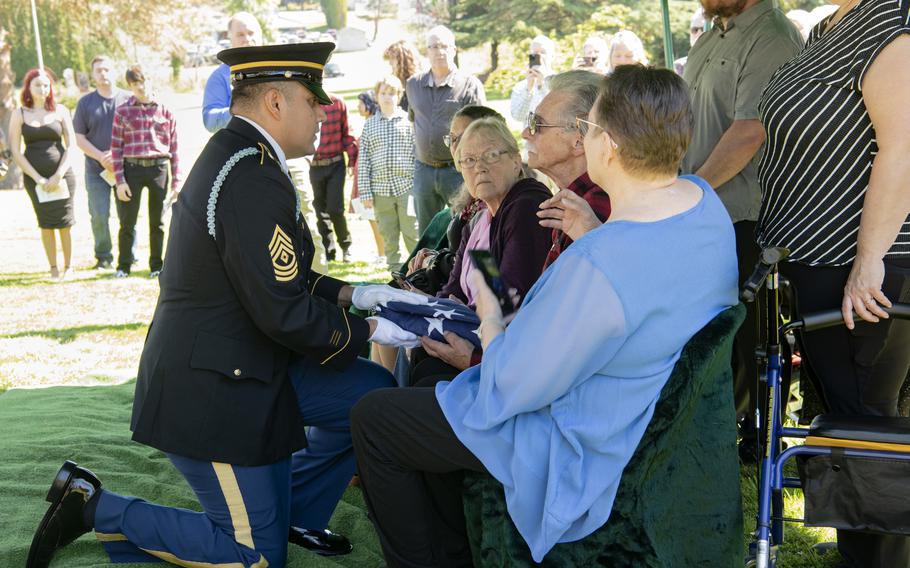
[47,131]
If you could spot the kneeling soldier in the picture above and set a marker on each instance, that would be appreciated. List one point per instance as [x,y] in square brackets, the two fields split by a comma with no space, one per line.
[247,347]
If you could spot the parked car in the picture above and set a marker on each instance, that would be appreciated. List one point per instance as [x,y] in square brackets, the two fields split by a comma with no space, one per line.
[332,69]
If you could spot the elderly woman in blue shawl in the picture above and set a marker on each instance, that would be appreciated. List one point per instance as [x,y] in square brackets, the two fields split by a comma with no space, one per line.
[564,394]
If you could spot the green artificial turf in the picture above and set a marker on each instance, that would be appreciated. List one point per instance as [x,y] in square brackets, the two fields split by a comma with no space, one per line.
[90,425]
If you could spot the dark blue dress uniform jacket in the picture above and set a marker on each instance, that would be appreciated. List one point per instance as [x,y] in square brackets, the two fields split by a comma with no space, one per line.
[212,381]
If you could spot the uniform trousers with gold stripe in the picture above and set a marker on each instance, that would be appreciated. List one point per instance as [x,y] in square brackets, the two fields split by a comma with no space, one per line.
[249,509]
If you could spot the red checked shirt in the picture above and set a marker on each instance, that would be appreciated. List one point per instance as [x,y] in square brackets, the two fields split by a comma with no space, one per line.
[335,135]
[143,131]
[596,198]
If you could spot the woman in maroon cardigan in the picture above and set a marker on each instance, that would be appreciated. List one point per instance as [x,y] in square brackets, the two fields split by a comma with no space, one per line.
[488,157]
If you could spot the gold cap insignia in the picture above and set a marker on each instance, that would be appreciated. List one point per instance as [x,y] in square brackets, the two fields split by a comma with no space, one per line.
[284,259]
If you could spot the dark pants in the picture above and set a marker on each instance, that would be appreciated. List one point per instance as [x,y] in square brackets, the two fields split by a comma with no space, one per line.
[248,509]
[157,180]
[860,372]
[328,201]
[745,369]
[411,466]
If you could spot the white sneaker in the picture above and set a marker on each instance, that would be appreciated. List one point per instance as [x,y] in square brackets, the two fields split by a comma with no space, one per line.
[121,274]
[154,274]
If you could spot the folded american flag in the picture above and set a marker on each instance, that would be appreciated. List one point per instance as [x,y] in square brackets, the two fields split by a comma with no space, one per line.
[433,319]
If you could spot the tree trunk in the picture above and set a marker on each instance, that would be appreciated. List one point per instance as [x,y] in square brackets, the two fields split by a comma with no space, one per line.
[13,179]
[494,55]
[336,13]
[376,21]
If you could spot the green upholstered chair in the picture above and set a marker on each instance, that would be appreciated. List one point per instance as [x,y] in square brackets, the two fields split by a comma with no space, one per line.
[678,502]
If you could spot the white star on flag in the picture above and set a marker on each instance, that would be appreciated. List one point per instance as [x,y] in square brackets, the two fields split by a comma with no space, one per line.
[434,324]
[448,314]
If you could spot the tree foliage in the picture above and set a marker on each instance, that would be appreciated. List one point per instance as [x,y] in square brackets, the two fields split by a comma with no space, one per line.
[336,13]
[476,22]
[73,31]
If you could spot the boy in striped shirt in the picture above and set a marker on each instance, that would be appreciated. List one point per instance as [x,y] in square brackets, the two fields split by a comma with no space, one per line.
[385,169]
[144,153]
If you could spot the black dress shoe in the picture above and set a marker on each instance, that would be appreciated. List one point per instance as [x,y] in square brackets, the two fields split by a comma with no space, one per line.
[322,542]
[63,523]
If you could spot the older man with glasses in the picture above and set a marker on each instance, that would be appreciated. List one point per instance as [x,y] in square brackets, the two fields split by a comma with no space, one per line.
[554,136]
[434,97]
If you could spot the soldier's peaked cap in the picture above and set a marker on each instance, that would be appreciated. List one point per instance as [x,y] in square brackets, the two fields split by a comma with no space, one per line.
[301,62]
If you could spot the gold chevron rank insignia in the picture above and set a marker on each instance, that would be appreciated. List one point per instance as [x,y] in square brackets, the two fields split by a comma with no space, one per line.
[284,259]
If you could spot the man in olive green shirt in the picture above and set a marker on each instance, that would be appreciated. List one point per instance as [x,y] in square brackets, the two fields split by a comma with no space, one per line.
[727,70]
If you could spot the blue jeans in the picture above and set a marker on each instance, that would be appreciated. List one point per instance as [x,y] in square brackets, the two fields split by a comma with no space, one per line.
[99,209]
[434,189]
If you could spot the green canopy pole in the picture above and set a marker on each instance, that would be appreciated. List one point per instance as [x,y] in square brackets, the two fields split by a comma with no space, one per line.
[668,35]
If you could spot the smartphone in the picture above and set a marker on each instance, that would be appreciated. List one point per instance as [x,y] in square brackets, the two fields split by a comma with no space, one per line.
[399,279]
[533,59]
[484,262]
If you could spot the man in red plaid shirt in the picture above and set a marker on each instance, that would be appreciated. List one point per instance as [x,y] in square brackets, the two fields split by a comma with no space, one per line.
[327,173]
[144,153]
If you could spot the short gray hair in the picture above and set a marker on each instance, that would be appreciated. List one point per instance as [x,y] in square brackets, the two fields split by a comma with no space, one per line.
[245,17]
[441,33]
[582,88]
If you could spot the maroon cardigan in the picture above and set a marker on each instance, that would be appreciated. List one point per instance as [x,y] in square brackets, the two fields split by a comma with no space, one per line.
[517,241]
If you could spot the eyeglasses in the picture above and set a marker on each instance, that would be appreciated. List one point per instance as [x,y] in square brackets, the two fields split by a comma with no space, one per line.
[450,140]
[579,121]
[439,46]
[489,157]
[534,123]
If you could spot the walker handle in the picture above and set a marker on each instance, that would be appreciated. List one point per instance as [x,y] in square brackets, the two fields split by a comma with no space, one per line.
[830,318]
[766,263]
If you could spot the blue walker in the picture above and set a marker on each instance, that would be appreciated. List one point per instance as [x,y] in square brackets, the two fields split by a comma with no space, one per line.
[846,436]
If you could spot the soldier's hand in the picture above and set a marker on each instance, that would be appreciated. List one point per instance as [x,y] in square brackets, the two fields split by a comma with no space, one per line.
[368,297]
[387,333]
[123,192]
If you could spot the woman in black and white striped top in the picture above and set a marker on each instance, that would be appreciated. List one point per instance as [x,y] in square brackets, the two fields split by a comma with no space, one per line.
[834,177]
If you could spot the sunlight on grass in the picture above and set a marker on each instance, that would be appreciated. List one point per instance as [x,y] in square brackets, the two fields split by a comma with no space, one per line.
[359,272]
[798,540]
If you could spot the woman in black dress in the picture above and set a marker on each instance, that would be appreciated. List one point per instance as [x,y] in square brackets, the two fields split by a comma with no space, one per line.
[47,131]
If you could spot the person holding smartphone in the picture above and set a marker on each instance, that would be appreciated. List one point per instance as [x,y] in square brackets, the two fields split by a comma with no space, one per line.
[564,394]
[527,94]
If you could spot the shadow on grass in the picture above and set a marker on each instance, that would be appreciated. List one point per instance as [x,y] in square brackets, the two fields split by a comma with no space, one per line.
[68,334]
[26,279]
